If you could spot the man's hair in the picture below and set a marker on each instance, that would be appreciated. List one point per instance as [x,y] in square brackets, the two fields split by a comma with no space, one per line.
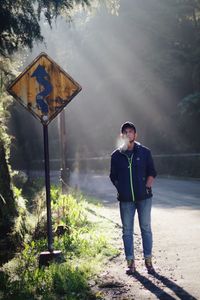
[127,125]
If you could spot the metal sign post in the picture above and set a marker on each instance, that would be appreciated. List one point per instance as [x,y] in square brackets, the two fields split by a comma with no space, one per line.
[47,183]
[44,89]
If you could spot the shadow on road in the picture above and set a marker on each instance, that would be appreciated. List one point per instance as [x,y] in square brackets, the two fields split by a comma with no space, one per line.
[158,291]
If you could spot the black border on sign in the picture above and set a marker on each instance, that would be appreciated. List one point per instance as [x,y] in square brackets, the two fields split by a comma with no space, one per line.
[79,88]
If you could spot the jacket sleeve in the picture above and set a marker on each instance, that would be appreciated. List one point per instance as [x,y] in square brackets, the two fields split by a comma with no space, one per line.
[150,166]
[113,172]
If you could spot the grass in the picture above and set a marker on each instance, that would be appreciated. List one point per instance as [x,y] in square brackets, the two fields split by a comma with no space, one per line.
[83,242]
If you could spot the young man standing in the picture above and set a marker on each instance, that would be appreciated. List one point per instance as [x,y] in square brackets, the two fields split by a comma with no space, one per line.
[132,173]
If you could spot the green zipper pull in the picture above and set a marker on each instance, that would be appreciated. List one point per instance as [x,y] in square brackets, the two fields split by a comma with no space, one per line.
[130,159]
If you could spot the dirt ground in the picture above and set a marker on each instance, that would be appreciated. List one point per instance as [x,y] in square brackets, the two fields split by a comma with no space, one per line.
[176,251]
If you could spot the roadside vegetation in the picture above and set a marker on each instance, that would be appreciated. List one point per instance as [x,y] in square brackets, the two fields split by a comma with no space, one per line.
[80,237]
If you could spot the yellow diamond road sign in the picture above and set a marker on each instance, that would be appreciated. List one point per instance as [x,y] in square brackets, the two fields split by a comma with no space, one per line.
[44,88]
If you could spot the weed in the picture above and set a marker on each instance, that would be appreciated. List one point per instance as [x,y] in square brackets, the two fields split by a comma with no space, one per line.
[82,244]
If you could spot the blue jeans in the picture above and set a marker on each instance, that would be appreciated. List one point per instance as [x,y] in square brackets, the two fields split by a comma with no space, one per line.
[127,213]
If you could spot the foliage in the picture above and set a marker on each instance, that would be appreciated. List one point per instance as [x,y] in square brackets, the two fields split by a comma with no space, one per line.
[189,116]
[20,21]
[8,206]
[190,106]
[64,281]
[184,49]
[82,245]
[67,210]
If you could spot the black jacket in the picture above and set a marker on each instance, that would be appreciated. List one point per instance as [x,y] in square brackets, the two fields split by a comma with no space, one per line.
[129,174]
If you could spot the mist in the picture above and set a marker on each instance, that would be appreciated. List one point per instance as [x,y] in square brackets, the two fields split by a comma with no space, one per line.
[113,58]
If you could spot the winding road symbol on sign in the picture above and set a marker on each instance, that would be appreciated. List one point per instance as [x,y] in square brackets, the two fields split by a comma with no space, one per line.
[43,79]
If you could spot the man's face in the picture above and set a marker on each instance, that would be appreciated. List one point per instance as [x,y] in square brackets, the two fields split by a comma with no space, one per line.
[129,135]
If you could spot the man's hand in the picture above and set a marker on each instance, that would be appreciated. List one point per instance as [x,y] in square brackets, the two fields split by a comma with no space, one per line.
[149,182]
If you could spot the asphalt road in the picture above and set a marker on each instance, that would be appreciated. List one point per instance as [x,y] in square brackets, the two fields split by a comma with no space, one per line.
[176,231]
[168,193]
